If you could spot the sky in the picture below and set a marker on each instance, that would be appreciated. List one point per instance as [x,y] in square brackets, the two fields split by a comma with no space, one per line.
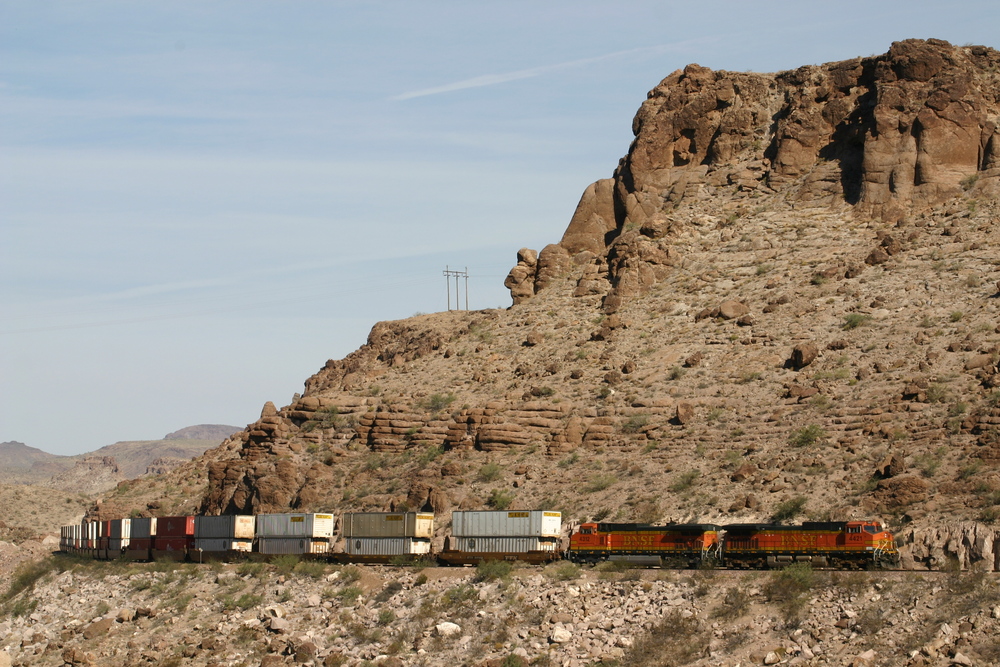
[202,202]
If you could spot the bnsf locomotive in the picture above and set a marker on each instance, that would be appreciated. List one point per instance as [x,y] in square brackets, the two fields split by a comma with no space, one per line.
[835,544]
[533,536]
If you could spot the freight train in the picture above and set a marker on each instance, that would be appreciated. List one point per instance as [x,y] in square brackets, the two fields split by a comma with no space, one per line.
[534,536]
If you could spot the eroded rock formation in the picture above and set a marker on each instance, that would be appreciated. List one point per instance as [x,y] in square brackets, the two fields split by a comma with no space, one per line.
[889,135]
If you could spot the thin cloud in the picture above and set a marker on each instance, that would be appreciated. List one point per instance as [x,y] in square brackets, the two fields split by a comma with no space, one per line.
[494,79]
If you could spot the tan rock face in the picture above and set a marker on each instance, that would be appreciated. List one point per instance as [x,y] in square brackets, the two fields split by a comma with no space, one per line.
[889,134]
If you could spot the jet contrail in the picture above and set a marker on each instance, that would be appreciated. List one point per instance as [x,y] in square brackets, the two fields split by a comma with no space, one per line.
[493,79]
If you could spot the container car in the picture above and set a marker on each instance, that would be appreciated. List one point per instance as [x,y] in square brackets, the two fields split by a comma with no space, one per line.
[381,537]
[294,533]
[529,535]
[387,524]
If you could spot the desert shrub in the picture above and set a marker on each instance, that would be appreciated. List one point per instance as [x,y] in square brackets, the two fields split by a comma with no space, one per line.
[929,462]
[489,570]
[635,423]
[562,571]
[490,472]
[673,641]
[250,568]
[244,602]
[684,481]
[386,616]
[735,604]
[500,499]
[285,563]
[457,595]
[855,320]
[807,436]
[350,574]
[28,574]
[438,402]
[349,595]
[599,482]
[792,580]
[311,568]
[789,509]
[937,393]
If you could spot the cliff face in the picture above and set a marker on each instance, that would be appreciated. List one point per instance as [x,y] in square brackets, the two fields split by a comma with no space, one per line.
[889,136]
[783,306]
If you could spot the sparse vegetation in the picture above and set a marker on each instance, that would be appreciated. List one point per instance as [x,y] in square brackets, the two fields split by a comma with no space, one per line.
[789,509]
[438,402]
[855,320]
[807,436]
[685,481]
[599,482]
[490,570]
[490,472]
[500,499]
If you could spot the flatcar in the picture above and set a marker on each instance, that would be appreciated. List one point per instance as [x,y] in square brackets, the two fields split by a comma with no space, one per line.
[676,545]
[834,544]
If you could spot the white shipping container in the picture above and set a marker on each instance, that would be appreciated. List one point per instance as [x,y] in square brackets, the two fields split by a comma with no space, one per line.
[292,545]
[143,528]
[233,526]
[221,544]
[294,525]
[503,544]
[516,523]
[386,546]
[387,524]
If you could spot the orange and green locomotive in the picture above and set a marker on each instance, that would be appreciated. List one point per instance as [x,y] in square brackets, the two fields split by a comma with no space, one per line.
[834,544]
[828,544]
[675,545]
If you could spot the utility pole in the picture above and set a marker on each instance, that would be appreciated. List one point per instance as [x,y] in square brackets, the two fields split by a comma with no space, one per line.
[450,273]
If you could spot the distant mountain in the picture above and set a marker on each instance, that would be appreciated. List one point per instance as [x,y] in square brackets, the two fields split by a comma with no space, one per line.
[204,432]
[19,456]
[102,469]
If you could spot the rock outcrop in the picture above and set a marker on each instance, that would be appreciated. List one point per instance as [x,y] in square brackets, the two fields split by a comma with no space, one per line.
[889,135]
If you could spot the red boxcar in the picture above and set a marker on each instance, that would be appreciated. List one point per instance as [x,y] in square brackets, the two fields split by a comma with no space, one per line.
[839,544]
[687,545]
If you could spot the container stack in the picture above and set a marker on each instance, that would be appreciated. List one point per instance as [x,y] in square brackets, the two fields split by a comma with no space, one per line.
[119,536]
[503,533]
[294,533]
[231,532]
[173,537]
[141,539]
[385,535]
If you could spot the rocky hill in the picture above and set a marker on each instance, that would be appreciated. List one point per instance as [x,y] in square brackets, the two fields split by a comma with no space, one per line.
[784,304]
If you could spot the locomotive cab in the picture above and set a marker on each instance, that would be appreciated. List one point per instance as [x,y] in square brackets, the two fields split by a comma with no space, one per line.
[872,537]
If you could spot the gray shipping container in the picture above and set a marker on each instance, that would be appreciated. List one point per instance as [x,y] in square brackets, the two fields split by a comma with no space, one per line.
[221,544]
[232,526]
[503,544]
[515,523]
[121,529]
[143,528]
[387,524]
[294,525]
[386,546]
[292,545]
